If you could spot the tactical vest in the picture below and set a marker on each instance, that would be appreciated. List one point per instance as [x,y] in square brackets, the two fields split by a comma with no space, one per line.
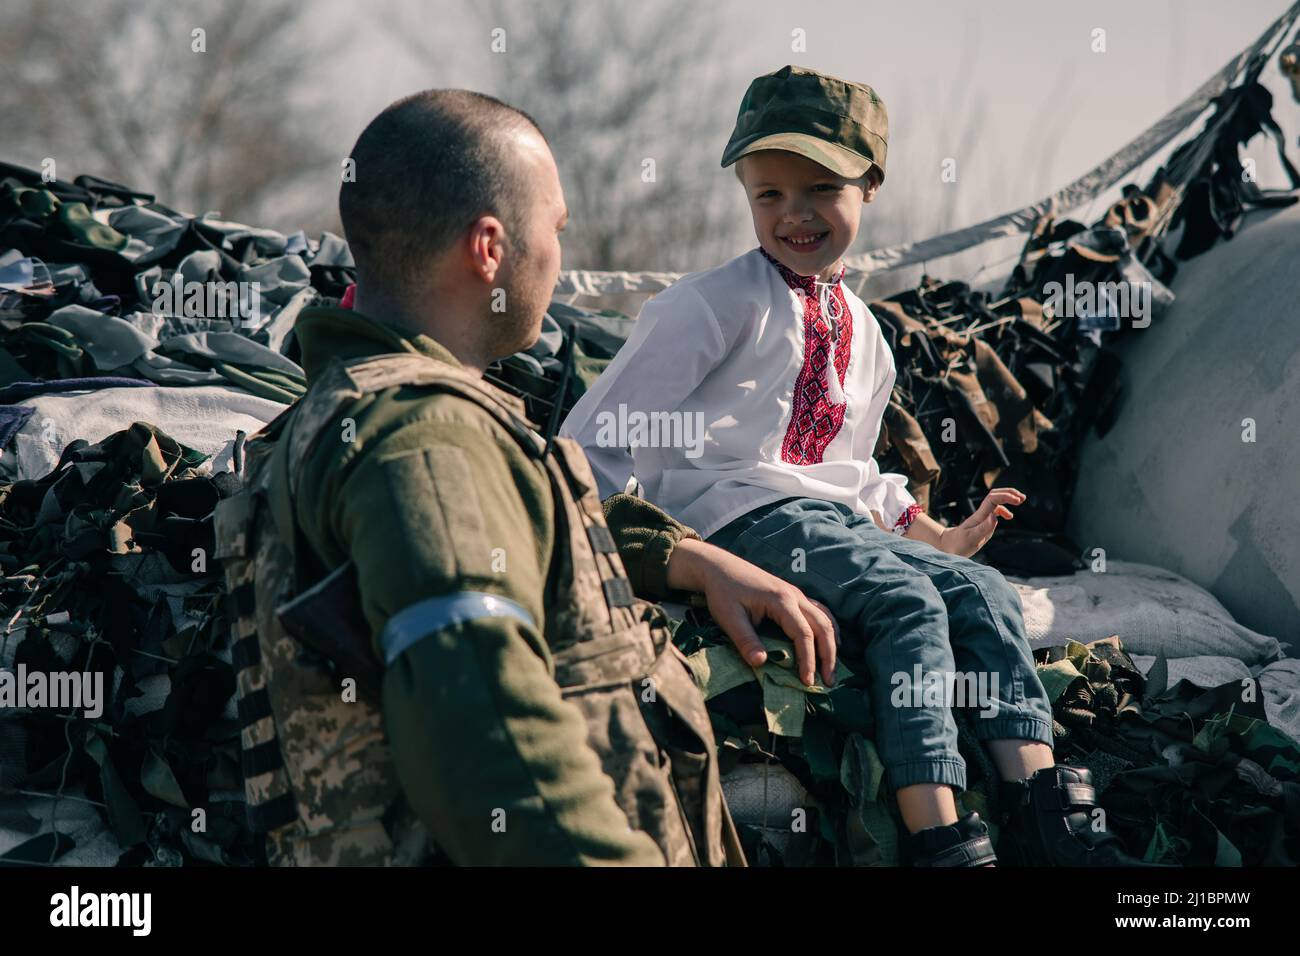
[318,774]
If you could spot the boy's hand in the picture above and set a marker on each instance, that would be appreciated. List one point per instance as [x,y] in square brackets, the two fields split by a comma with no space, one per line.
[741,595]
[972,534]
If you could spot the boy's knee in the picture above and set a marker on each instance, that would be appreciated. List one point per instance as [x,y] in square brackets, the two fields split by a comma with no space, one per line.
[999,594]
[989,580]
[903,595]
[1004,589]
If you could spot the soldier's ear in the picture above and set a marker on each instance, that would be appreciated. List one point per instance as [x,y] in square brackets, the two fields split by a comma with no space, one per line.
[485,246]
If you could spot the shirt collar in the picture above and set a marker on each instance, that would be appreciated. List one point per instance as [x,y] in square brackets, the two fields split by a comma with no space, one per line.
[806,284]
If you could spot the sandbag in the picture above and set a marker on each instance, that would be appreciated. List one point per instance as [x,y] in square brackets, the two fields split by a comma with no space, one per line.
[1153,611]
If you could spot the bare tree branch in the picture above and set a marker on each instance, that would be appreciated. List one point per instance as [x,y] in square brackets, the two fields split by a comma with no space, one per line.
[115,89]
[630,100]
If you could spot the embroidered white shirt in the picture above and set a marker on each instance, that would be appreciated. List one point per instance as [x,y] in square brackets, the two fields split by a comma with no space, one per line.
[698,402]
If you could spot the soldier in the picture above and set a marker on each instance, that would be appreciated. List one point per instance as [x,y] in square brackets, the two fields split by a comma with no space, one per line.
[530,710]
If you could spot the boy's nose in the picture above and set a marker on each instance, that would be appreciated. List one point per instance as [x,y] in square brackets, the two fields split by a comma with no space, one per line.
[797,215]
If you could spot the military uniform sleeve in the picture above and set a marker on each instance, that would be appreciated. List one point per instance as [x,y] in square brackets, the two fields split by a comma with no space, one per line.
[490,756]
[645,536]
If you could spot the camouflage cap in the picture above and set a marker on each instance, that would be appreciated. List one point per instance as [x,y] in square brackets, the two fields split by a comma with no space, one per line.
[839,124]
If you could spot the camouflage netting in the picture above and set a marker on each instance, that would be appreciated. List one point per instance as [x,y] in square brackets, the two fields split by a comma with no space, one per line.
[107,574]
[1187,775]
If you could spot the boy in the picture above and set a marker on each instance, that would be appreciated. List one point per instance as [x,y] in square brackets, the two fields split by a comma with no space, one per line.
[789,375]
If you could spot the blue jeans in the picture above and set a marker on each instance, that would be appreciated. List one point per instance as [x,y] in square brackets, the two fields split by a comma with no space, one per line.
[935,630]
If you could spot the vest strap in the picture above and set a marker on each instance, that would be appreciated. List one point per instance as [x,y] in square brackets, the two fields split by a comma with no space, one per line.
[275,813]
[245,652]
[431,615]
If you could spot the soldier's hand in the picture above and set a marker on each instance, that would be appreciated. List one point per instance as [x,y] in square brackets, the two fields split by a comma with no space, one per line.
[741,595]
[972,534]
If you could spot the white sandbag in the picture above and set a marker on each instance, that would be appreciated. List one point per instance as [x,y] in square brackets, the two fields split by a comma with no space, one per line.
[763,793]
[205,417]
[1206,671]
[764,796]
[1198,472]
[1152,610]
[1280,682]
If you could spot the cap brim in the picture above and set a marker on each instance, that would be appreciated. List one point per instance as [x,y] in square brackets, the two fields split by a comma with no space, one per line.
[837,159]
[1096,255]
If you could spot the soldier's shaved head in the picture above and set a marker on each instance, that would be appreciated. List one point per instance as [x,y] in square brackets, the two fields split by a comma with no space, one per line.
[427,167]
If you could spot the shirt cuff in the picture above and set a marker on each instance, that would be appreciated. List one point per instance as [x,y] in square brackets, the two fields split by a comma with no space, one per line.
[906,518]
[646,537]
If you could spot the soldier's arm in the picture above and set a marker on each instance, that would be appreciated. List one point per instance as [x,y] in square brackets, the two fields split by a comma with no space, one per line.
[646,537]
[446,523]
[663,556]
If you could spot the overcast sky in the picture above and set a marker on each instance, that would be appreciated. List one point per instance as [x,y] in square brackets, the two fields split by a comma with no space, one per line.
[1010,89]
[1046,107]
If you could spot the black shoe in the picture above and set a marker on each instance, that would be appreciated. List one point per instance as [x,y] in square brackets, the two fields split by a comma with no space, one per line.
[964,843]
[1050,822]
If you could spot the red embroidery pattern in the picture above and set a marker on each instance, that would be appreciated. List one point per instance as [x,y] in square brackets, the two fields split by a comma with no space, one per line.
[906,518]
[814,421]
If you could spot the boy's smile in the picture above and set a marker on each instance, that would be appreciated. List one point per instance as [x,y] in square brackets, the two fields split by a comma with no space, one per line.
[804,243]
[805,216]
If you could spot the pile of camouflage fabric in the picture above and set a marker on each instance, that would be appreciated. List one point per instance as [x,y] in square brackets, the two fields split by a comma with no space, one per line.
[803,780]
[98,280]
[1187,775]
[574,348]
[108,574]
[102,280]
